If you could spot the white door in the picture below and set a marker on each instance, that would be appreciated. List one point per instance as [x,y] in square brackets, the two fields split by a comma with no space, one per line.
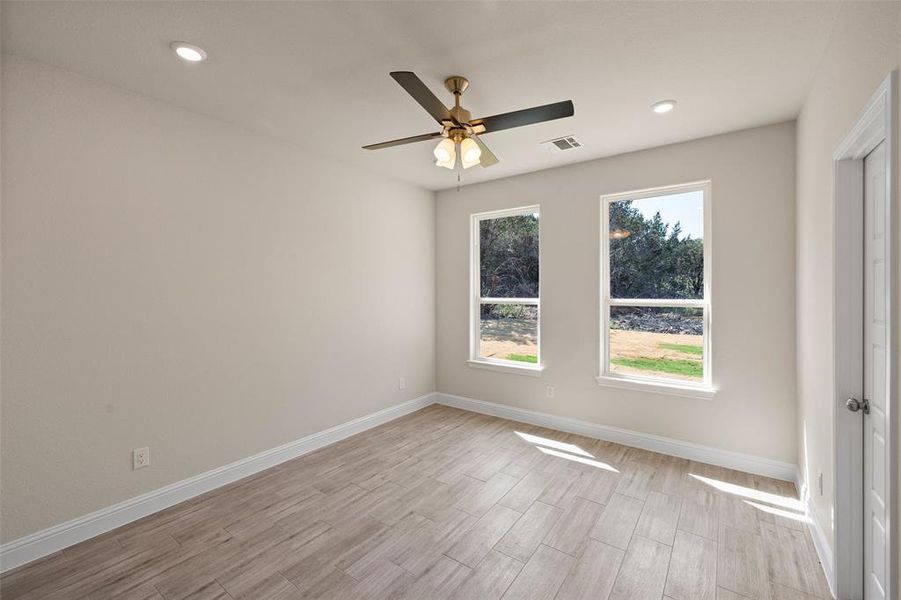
[875,336]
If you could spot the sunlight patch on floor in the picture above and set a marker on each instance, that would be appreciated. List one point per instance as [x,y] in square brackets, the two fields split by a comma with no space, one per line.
[549,443]
[779,512]
[788,502]
[579,459]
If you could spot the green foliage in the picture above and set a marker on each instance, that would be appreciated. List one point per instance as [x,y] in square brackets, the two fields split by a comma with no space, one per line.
[690,368]
[686,348]
[529,358]
[653,262]
[509,257]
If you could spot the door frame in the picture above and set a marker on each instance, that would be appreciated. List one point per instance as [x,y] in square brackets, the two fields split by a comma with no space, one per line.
[875,125]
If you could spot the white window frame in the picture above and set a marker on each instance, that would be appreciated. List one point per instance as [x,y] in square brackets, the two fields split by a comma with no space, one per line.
[476,300]
[607,377]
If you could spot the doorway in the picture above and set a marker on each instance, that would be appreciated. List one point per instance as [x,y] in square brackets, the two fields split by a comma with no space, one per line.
[864,415]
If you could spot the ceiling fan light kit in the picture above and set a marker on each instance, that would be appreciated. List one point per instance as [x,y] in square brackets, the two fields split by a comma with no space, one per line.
[469,153]
[459,129]
[445,153]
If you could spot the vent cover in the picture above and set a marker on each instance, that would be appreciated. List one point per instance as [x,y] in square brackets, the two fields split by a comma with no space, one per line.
[568,142]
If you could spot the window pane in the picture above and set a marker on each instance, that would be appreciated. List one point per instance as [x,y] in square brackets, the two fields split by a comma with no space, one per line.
[509,332]
[509,257]
[664,343]
[657,247]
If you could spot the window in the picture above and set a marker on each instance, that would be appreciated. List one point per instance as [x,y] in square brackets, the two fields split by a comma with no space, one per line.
[505,283]
[655,313]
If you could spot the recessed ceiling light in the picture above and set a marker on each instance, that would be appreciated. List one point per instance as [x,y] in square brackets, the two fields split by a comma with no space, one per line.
[188,52]
[664,106]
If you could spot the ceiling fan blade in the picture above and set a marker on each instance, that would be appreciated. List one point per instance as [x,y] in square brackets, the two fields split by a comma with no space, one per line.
[487,157]
[423,95]
[407,140]
[527,116]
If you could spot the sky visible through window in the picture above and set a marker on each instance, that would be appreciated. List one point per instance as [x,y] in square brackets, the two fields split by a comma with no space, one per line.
[687,209]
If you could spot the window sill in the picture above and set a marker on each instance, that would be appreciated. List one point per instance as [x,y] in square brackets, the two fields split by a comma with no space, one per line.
[686,391]
[532,371]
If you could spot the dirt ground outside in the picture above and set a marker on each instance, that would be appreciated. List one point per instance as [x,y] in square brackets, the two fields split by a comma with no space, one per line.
[649,345]
[502,337]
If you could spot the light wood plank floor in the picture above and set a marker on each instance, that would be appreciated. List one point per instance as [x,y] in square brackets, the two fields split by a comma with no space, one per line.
[450,504]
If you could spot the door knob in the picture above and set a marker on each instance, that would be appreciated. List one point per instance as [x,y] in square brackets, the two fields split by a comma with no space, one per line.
[855,405]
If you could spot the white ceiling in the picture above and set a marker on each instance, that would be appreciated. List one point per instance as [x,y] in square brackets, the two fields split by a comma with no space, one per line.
[317,73]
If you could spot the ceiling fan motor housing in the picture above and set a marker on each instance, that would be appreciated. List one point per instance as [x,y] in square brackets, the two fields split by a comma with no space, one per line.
[456,84]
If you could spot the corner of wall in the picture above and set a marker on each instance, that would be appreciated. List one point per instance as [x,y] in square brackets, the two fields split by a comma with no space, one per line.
[434,290]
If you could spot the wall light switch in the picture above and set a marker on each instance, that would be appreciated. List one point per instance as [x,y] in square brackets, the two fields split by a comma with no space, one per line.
[402,383]
[140,458]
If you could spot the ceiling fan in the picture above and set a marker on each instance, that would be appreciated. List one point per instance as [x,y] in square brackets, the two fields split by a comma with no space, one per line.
[458,128]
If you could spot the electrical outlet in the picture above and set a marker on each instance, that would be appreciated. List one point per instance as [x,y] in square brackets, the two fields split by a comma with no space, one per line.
[402,383]
[550,391]
[140,458]
[820,482]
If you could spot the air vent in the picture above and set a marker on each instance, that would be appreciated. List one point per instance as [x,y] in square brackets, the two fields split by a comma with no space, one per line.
[565,143]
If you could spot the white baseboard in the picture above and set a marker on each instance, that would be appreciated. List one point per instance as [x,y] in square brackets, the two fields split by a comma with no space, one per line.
[48,541]
[824,552]
[714,456]
[820,541]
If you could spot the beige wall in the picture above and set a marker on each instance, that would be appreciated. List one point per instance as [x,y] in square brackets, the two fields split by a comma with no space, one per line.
[753,179]
[863,49]
[175,282]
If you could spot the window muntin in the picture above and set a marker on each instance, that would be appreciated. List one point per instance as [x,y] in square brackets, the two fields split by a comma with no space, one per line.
[655,314]
[505,271]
